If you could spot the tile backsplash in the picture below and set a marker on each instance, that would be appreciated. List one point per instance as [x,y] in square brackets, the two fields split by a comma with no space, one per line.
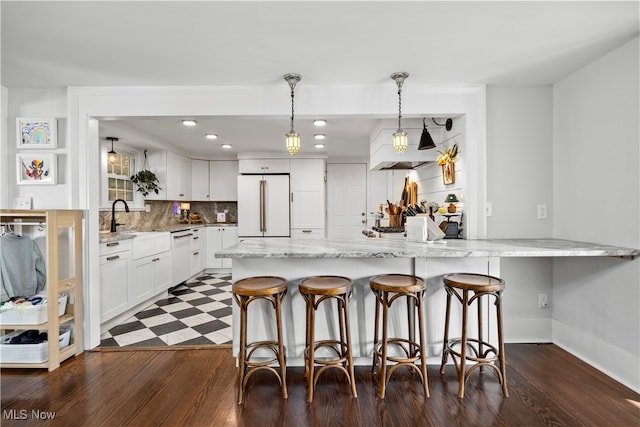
[162,213]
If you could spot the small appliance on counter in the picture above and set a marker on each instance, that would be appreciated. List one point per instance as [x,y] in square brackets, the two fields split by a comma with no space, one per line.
[421,228]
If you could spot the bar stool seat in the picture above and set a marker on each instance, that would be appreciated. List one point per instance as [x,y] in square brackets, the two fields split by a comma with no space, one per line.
[315,290]
[245,291]
[387,288]
[469,288]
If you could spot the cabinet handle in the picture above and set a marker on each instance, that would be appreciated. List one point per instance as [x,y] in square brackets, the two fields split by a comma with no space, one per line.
[195,237]
[110,244]
[195,230]
[184,235]
[155,259]
[181,195]
[307,231]
[196,253]
[292,197]
[113,258]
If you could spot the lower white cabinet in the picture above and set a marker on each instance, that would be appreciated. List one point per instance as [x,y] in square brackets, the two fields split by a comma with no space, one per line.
[198,250]
[114,278]
[149,276]
[307,233]
[219,238]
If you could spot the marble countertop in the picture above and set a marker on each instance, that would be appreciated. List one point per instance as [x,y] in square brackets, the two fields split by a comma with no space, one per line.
[130,234]
[392,248]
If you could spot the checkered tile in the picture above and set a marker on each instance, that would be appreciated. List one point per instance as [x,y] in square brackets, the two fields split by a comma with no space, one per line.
[195,313]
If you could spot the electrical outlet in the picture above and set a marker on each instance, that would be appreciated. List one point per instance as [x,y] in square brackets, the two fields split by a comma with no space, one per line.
[147,207]
[543,300]
[488,208]
[542,211]
[22,202]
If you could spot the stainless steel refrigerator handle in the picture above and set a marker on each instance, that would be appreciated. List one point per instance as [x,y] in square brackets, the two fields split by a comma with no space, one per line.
[262,212]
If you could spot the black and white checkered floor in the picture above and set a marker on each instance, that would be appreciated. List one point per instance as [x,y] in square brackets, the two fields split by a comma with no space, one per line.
[198,312]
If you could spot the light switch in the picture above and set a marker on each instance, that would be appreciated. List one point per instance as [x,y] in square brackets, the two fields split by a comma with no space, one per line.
[542,211]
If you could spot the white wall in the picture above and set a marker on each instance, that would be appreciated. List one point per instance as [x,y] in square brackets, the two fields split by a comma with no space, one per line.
[597,198]
[37,103]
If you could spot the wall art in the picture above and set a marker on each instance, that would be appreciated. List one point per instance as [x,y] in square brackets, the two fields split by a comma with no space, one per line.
[37,133]
[36,169]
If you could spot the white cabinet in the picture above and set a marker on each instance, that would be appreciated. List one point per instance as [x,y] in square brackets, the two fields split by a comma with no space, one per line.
[178,177]
[150,267]
[308,189]
[198,250]
[223,181]
[264,166]
[114,278]
[174,173]
[200,180]
[219,238]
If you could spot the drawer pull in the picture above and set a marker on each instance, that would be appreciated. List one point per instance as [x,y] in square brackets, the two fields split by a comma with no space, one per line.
[184,235]
[113,258]
[155,259]
[196,253]
[307,231]
[195,237]
[110,244]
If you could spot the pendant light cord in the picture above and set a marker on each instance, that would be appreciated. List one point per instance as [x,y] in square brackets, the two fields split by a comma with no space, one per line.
[293,85]
[399,105]
[145,165]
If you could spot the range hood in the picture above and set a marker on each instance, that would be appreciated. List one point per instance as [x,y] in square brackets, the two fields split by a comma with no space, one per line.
[382,156]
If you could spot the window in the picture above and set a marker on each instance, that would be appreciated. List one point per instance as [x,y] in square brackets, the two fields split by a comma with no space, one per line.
[119,184]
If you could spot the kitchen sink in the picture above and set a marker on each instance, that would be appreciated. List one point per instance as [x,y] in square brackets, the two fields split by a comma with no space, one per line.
[147,243]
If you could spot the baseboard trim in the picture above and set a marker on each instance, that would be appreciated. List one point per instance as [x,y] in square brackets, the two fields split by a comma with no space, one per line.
[613,361]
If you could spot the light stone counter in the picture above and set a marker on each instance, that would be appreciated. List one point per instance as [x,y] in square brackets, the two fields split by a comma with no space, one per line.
[360,259]
[392,248]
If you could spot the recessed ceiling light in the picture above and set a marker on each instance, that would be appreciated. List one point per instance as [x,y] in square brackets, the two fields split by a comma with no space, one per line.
[189,122]
[211,136]
[226,146]
[319,146]
[319,122]
[319,136]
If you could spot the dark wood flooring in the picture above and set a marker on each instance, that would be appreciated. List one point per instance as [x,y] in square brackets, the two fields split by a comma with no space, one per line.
[196,387]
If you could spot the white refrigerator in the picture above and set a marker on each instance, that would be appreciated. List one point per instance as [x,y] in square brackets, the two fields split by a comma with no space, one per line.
[263,206]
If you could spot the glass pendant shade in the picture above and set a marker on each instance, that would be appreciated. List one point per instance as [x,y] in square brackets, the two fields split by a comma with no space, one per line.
[400,141]
[292,142]
[112,156]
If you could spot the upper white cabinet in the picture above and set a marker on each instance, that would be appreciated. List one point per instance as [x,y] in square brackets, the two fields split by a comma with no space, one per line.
[200,180]
[223,181]
[308,190]
[264,166]
[173,172]
[178,177]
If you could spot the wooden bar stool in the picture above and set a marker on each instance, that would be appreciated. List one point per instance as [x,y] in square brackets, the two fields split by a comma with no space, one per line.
[482,353]
[314,290]
[245,291]
[387,288]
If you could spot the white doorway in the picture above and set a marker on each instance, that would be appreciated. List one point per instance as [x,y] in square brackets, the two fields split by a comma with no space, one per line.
[346,199]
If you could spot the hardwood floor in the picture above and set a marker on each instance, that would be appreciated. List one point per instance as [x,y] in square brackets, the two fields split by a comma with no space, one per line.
[196,387]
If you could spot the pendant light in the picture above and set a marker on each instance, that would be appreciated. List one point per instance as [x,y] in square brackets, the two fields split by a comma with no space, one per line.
[426,142]
[400,141]
[292,139]
[112,156]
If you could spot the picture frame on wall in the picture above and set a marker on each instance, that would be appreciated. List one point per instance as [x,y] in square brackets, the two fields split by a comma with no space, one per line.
[37,133]
[36,168]
[448,173]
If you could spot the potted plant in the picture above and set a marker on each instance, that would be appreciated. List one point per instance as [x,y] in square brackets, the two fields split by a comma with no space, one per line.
[146,180]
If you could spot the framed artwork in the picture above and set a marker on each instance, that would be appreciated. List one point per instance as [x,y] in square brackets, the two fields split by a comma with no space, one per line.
[37,133]
[448,173]
[36,169]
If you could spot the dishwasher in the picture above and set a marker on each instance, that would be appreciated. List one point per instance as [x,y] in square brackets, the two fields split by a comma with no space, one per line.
[180,256]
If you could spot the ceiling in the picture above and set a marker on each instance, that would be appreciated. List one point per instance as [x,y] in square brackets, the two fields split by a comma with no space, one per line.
[51,44]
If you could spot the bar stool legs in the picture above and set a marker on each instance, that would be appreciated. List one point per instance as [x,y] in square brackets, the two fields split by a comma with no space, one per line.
[388,288]
[245,291]
[315,290]
[470,288]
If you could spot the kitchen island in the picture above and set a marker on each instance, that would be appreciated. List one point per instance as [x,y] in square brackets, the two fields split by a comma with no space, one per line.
[360,259]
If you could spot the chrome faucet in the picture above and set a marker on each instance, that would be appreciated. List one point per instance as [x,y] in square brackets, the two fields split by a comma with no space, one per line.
[113,213]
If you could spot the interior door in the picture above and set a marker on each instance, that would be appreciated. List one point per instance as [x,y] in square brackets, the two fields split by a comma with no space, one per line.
[346,199]
[276,206]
